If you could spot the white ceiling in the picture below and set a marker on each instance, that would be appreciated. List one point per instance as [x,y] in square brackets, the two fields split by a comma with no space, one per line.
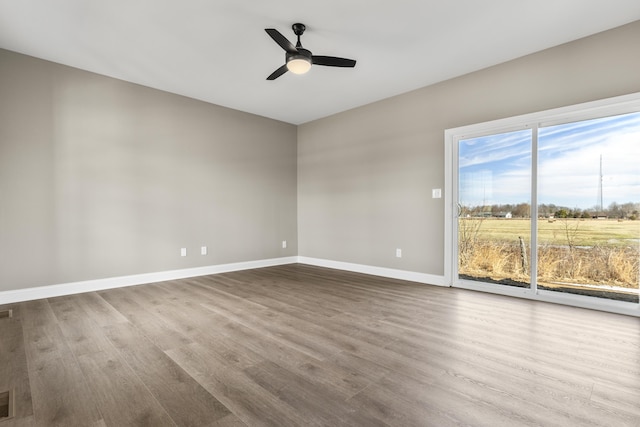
[217,50]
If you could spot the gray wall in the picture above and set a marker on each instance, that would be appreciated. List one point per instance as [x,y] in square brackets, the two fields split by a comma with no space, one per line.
[365,176]
[102,178]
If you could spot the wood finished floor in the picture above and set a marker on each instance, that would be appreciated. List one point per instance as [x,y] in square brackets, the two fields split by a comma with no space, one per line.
[304,346]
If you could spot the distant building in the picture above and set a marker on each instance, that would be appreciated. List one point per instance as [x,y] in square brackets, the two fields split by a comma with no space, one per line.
[504,215]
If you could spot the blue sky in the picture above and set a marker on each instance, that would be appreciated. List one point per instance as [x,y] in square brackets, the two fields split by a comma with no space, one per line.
[496,169]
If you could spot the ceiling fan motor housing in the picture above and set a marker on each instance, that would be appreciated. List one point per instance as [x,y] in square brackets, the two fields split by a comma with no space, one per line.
[298,29]
[302,54]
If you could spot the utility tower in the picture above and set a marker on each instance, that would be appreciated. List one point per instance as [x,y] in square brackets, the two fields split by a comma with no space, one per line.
[600,204]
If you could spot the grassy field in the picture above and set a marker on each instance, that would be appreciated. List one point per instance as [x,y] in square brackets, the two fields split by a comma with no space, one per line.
[582,232]
[570,251]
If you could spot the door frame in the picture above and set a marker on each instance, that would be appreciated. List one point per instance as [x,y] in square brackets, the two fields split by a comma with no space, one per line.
[585,111]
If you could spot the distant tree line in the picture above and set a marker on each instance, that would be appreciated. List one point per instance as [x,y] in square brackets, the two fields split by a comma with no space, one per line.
[627,210]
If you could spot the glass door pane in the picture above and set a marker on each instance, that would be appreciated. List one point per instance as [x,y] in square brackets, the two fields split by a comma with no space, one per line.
[494,215]
[589,207]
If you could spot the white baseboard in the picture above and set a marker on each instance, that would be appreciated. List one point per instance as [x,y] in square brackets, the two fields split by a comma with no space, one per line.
[430,279]
[18,295]
[28,294]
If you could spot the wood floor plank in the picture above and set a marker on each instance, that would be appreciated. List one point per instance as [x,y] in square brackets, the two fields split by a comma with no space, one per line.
[82,334]
[441,346]
[178,393]
[121,397]
[36,313]
[98,310]
[121,301]
[541,404]
[263,323]
[242,348]
[616,397]
[298,296]
[543,353]
[60,393]
[316,404]
[141,312]
[229,421]
[270,348]
[375,400]
[554,345]
[247,400]
[523,408]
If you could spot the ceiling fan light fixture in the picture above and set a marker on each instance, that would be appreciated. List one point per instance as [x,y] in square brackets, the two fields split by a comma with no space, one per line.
[298,64]
[298,60]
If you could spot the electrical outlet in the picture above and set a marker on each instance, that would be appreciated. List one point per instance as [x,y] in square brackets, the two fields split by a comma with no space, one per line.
[398,253]
[203,250]
[284,244]
[183,251]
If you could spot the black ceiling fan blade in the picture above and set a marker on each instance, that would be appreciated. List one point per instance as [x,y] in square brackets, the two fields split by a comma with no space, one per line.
[281,40]
[277,73]
[332,61]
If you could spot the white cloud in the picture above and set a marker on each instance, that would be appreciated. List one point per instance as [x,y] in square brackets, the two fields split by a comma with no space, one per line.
[572,179]
[496,168]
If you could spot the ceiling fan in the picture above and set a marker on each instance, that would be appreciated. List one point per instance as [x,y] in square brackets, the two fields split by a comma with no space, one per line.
[298,60]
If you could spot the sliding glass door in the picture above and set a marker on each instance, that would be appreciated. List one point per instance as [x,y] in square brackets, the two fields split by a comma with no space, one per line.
[589,205]
[549,204]
[494,215]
